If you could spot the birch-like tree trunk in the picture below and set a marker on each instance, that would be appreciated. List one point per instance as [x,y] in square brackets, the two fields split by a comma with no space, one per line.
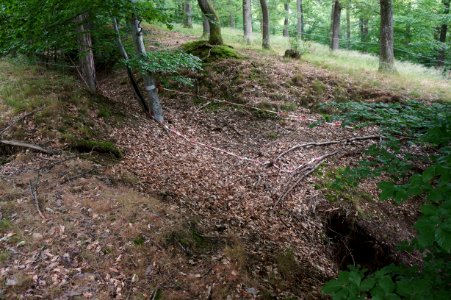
[149,80]
[188,20]
[124,55]
[285,21]
[85,53]
[265,24]
[300,19]
[215,37]
[335,26]
[387,57]
[247,21]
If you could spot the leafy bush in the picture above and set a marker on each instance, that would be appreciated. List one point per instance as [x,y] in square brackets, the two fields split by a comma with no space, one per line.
[168,63]
[404,126]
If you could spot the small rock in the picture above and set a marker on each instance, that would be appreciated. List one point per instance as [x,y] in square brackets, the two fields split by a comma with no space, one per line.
[11,281]
[37,236]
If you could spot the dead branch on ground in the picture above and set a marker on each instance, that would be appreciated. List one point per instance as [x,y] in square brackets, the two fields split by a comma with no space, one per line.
[25,145]
[34,196]
[326,143]
[17,120]
[303,171]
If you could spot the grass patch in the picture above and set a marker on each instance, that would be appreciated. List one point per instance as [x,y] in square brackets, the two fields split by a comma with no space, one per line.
[103,147]
[335,189]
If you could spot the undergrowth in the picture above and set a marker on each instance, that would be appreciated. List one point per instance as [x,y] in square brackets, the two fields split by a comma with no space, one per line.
[416,80]
[408,130]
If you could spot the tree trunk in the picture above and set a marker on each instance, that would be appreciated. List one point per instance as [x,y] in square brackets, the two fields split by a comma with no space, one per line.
[205,27]
[335,26]
[231,15]
[85,53]
[442,37]
[348,24]
[149,80]
[300,19]
[215,37]
[387,57]
[265,24]
[363,23]
[232,21]
[285,22]
[247,21]
[124,54]
[188,20]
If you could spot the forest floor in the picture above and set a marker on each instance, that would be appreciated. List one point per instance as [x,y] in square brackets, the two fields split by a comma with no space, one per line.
[202,211]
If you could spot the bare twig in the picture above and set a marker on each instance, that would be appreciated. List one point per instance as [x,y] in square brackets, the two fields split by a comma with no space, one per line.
[16,121]
[326,143]
[34,196]
[304,170]
[25,145]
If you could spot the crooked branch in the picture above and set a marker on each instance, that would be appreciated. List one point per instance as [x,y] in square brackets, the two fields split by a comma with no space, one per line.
[326,143]
[303,171]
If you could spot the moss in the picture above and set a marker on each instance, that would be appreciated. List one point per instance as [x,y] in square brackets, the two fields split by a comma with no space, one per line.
[86,146]
[209,52]
[287,264]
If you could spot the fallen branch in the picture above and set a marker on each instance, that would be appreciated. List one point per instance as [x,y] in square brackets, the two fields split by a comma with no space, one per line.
[304,170]
[34,196]
[25,145]
[16,121]
[326,143]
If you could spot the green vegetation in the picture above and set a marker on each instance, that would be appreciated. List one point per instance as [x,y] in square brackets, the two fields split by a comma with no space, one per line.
[209,52]
[404,126]
[86,146]
[414,79]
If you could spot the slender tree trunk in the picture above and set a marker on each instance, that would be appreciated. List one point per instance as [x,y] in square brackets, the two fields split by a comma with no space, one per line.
[188,20]
[348,24]
[265,24]
[205,27]
[213,20]
[124,54]
[442,37]
[149,80]
[300,19]
[363,30]
[85,53]
[387,57]
[335,26]
[285,22]
[231,15]
[247,21]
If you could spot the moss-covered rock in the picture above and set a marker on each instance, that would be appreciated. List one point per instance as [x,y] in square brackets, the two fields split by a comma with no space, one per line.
[209,52]
[96,146]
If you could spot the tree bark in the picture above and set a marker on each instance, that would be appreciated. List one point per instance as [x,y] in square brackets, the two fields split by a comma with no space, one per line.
[85,53]
[124,54]
[265,24]
[335,26]
[363,23]
[188,20]
[387,57]
[285,22]
[205,27]
[149,80]
[247,21]
[231,15]
[348,24]
[215,37]
[442,37]
[300,18]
